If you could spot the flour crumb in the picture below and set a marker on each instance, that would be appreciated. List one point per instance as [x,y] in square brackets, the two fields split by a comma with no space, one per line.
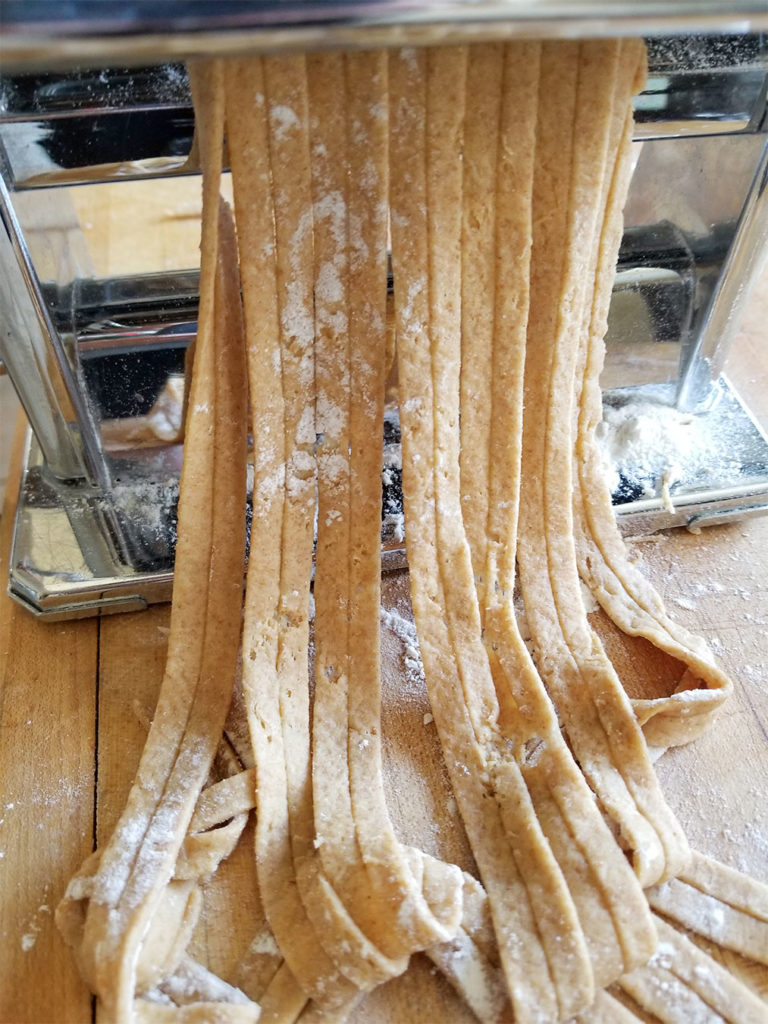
[405,631]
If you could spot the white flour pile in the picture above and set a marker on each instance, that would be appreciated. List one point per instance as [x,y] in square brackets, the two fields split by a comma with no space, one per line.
[649,443]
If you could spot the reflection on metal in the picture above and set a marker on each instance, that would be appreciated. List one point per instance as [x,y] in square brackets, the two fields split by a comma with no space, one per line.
[50,34]
[78,551]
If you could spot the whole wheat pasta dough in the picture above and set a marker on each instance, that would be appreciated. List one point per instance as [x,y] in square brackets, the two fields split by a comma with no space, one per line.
[541,944]
[718,903]
[248,131]
[125,917]
[338,864]
[330,968]
[469,960]
[346,902]
[625,594]
[488,87]
[673,719]
[323,943]
[267,123]
[607,1010]
[571,163]
[220,814]
[502,83]
[356,842]
[193,993]
[210,838]
[432,908]
[621,589]
[681,983]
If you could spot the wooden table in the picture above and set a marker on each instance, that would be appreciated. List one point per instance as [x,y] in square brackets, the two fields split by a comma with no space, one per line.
[73,697]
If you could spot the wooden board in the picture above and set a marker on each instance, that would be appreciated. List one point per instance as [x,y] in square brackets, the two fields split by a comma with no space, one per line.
[74,698]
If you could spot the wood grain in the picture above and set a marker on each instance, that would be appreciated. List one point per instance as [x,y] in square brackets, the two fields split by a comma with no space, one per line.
[48,706]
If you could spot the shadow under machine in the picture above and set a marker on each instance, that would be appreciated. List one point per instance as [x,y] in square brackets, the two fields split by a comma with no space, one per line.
[93,95]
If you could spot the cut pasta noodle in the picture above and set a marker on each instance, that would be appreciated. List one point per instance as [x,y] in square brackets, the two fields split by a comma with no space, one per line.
[601,727]
[610,903]
[126,917]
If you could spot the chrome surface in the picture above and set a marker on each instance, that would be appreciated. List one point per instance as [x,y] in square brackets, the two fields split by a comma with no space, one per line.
[687,258]
[710,342]
[51,34]
[116,123]
[79,551]
[65,561]
[35,357]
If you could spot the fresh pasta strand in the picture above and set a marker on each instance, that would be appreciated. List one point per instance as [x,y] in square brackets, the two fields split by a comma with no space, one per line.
[328,844]
[496,264]
[598,718]
[357,845]
[621,589]
[541,945]
[124,916]
[267,123]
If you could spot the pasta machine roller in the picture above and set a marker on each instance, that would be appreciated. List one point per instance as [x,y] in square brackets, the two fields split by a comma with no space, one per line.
[95,93]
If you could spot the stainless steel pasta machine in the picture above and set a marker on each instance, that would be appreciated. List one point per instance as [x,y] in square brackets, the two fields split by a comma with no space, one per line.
[95,92]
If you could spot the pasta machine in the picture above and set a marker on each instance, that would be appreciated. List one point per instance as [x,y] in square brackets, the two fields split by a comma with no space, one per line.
[98,93]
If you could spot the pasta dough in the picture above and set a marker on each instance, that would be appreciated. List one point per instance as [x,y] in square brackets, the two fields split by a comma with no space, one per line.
[504,219]
[601,728]
[123,912]
[610,904]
